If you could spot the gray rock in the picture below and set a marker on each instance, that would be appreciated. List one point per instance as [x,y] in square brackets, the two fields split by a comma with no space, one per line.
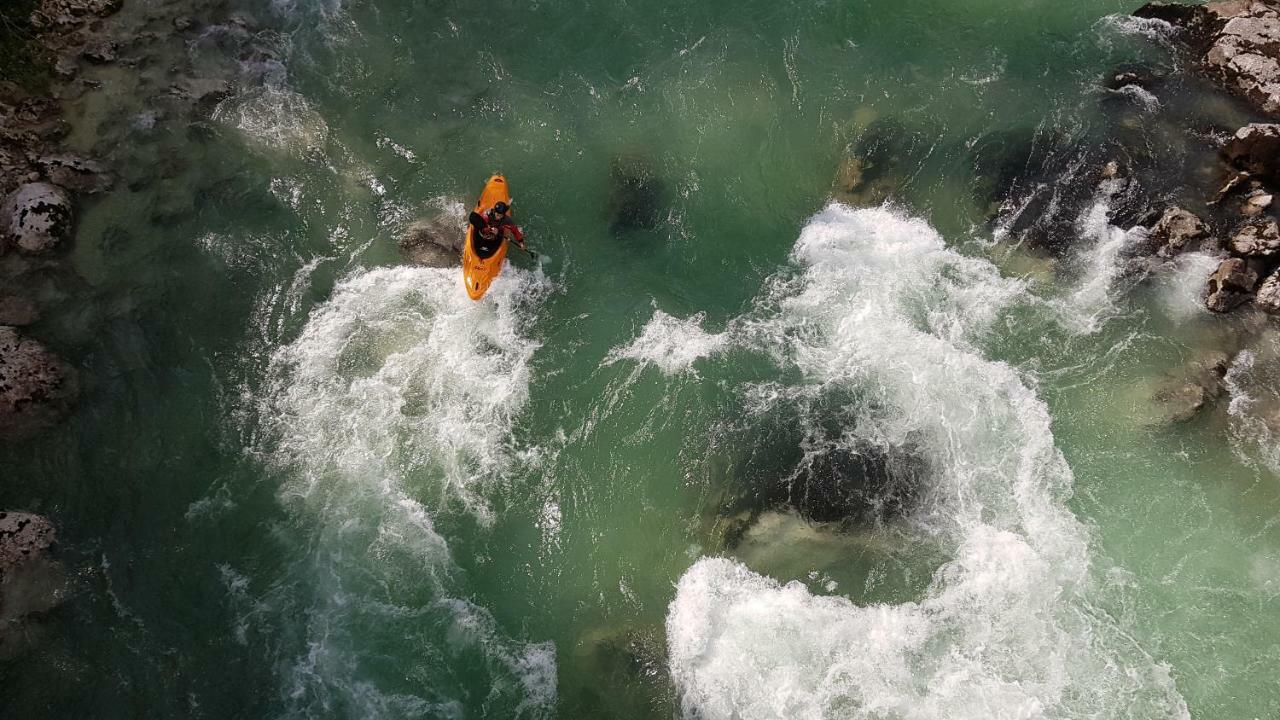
[1268,297]
[1243,54]
[75,173]
[1181,395]
[100,52]
[1257,240]
[434,242]
[16,310]
[1232,283]
[24,537]
[1176,231]
[38,217]
[37,388]
[1255,148]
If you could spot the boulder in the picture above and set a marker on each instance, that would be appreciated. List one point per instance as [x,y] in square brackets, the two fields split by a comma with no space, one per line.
[17,310]
[38,217]
[434,242]
[100,52]
[24,537]
[37,388]
[1255,203]
[1257,240]
[75,173]
[1255,149]
[1176,231]
[1232,283]
[1268,297]
[639,197]
[1243,54]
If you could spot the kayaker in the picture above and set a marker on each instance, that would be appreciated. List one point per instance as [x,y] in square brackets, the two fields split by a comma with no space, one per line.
[490,228]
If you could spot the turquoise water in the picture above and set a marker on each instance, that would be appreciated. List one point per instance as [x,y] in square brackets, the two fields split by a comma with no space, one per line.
[308,480]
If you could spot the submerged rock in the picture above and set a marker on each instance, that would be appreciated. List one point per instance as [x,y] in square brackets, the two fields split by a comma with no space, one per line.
[37,388]
[639,195]
[23,538]
[17,311]
[1232,283]
[1181,395]
[31,581]
[38,217]
[434,242]
[75,173]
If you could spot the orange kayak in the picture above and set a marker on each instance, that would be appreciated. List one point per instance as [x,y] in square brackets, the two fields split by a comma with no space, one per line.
[477,272]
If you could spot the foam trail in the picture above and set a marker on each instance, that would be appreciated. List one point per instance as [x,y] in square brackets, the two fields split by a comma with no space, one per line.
[671,344]
[1005,630]
[1254,410]
[374,419]
[1091,304]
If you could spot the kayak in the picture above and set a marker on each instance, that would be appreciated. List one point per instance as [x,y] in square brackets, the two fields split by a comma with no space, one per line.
[478,272]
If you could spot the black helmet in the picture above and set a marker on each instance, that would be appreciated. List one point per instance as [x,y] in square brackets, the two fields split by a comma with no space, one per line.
[500,208]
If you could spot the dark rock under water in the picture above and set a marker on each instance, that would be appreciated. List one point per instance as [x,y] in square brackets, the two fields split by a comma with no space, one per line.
[639,195]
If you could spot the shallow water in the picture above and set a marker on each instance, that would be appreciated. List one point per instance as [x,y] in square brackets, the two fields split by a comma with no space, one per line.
[307,480]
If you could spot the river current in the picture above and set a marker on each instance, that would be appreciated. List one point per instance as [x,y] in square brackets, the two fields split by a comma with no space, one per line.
[308,479]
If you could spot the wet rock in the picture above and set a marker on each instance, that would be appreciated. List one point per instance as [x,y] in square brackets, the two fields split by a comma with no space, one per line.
[24,537]
[1125,75]
[1176,231]
[839,484]
[1268,297]
[37,388]
[629,670]
[1257,240]
[203,94]
[75,173]
[17,311]
[434,242]
[1232,283]
[1244,54]
[38,217]
[1233,182]
[183,23]
[639,195]
[31,581]
[1255,203]
[100,52]
[1255,149]
[877,168]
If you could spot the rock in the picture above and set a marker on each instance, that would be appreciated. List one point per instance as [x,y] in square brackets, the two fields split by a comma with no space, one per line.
[37,388]
[1243,54]
[100,52]
[38,216]
[1235,181]
[639,194]
[24,537]
[75,173]
[1256,202]
[203,93]
[17,311]
[435,241]
[1268,297]
[1231,284]
[1255,148]
[31,581]
[183,23]
[1176,231]
[1257,240]
[1171,12]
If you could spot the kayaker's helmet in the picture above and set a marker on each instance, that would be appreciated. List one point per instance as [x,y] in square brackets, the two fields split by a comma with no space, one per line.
[500,208]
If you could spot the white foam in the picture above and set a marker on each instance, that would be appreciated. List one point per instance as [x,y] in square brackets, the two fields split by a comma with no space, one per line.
[1005,629]
[1253,385]
[1091,303]
[670,343]
[397,398]
[1182,290]
[276,117]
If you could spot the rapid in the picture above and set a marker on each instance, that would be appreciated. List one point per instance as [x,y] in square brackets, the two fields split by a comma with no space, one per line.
[790,419]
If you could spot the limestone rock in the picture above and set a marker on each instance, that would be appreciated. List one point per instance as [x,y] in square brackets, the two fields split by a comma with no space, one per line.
[1231,284]
[38,217]
[1257,240]
[1176,231]
[1255,148]
[37,387]
[1268,297]
[75,173]
[1244,53]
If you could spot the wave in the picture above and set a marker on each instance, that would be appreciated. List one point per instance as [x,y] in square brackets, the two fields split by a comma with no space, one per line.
[881,307]
[671,344]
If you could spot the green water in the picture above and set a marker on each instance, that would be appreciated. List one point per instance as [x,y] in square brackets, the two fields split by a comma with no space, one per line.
[307,481]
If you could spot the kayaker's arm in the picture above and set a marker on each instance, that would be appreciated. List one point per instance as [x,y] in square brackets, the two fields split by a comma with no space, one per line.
[516,234]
